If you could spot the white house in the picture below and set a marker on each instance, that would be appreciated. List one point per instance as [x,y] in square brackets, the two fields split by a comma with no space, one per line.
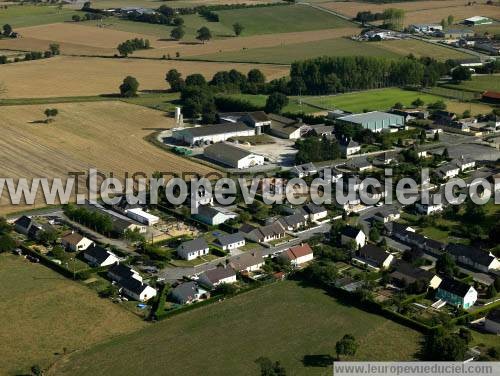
[428,208]
[373,257]
[248,261]
[215,277]
[214,216]
[474,257]
[349,234]
[192,249]
[143,217]
[464,163]
[387,213]
[492,321]
[231,241]
[316,212]
[233,156]
[264,234]
[99,256]
[457,293]
[76,242]
[137,290]
[188,292]
[298,255]
[303,170]
[448,171]
[348,146]
[119,272]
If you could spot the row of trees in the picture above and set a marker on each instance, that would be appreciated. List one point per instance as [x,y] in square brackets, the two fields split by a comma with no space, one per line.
[327,75]
[92,219]
[314,149]
[129,46]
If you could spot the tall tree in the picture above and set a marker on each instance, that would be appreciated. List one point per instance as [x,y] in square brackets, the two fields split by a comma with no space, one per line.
[276,102]
[129,87]
[174,79]
[177,33]
[346,346]
[238,28]
[203,34]
[7,30]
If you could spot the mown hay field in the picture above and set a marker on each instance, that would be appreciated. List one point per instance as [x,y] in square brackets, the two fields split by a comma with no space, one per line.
[287,322]
[43,313]
[64,76]
[107,135]
[421,11]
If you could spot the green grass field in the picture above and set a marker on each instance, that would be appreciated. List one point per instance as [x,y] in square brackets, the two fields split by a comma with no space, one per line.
[43,312]
[479,84]
[289,53]
[260,101]
[263,20]
[295,325]
[418,48]
[381,99]
[30,15]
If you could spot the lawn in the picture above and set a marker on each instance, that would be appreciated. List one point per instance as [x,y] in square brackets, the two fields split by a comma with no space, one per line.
[286,54]
[163,102]
[295,325]
[43,312]
[479,84]
[259,100]
[31,15]
[381,99]
[419,48]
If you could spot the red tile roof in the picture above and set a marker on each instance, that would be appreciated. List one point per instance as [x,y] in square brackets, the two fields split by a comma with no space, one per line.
[491,94]
[299,251]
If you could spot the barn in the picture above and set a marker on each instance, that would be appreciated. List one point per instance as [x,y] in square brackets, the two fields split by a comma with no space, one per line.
[212,133]
[233,156]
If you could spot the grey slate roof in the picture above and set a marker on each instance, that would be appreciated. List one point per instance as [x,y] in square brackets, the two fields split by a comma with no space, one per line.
[185,291]
[97,252]
[221,272]
[194,245]
[24,222]
[474,254]
[246,260]
[455,287]
[230,239]
[373,253]
[494,315]
[122,271]
[312,208]
[350,232]
[225,152]
[409,273]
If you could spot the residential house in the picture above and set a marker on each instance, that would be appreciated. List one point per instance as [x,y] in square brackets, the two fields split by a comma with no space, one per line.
[330,174]
[264,234]
[408,236]
[425,28]
[193,249]
[232,156]
[23,224]
[351,234]
[76,242]
[303,170]
[298,255]
[447,171]
[443,117]
[214,216]
[231,241]
[120,272]
[429,207]
[455,33]
[248,261]
[411,113]
[188,292]
[321,130]
[474,257]
[457,293]
[99,256]
[373,257]
[491,97]
[293,222]
[348,146]
[387,213]
[215,277]
[465,163]
[405,274]
[492,321]
[137,290]
[359,164]
[315,212]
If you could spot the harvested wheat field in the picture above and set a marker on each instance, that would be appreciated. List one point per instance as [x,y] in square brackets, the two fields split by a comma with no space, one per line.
[106,135]
[65,76]
[72,37]
[241,43]
[421,11]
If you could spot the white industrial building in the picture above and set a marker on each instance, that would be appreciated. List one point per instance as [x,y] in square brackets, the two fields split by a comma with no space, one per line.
[212,133]
[143,217]
[233,156]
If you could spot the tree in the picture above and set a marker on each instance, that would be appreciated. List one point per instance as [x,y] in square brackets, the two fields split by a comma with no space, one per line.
[50,113]
[436,136]
[195,79]
[76,18]
[7,30]
[442,346]
[129,87]
[445,264]
[275,102]
[177,33]
[238,29]
[54,49]
[398,106]
[270,368]
[418,102]
[7,243]
[174,79]
[255,76]
[203,34]
[178,21]
[374,234]
[492,291]
[446,154]
[36,370]
[346,346]
[461,74]
[450,20]
[125,49]
[443,23]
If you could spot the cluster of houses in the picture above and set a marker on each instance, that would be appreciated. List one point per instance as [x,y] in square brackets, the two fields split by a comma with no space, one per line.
[245,263]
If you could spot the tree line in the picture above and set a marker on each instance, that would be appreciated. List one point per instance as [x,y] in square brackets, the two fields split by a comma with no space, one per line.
[89,218]
[129,46]
[328,75]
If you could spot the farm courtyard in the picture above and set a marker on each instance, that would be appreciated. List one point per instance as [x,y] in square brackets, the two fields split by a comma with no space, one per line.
[45,313]
[236,332]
